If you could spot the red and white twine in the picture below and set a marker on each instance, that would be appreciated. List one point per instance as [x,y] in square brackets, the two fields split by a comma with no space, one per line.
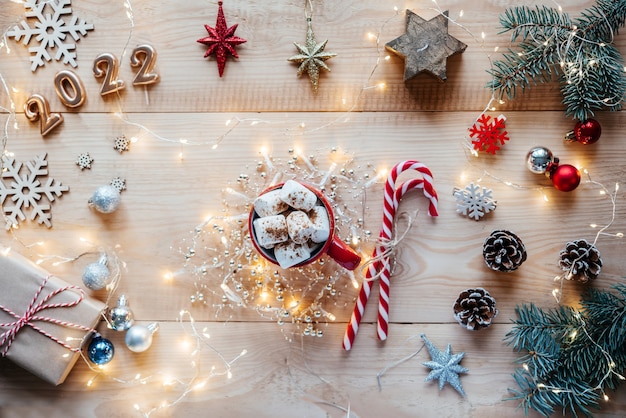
[381,266]
[30,316]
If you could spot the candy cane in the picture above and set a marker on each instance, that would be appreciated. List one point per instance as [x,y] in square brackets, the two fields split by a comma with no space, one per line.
[381,266]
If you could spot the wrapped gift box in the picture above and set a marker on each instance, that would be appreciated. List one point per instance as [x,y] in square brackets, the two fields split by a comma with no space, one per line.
[20,282]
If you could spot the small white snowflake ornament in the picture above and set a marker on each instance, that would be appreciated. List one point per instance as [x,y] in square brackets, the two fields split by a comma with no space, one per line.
[26,189]
[119,183]
[474,201]
[121,144]
[84,160]
[51,31]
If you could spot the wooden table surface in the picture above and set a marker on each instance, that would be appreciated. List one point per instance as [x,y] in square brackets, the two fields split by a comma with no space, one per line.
[199,141]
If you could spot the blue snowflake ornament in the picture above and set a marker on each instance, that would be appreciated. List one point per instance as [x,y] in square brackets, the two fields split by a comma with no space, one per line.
[444,366]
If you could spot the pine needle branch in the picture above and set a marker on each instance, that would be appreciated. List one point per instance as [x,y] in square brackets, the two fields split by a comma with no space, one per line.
[570,357]
[590,68]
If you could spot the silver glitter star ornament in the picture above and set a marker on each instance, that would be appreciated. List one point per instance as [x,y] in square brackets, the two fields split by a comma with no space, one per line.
[444,366]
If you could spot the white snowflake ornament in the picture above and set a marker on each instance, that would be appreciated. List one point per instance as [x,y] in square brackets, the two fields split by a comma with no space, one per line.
[26,190]
[119,183]
[121,144]
[84,160]
[474,201]
[51,31]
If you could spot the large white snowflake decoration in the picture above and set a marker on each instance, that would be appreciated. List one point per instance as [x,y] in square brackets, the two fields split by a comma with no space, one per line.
[229,275]
[51,31]
[474,201]
[25,190]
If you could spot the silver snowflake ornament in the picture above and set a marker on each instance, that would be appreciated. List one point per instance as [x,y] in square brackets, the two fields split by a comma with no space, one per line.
[25,190]
[121,144]
[474,201]
[51,31]
[119,183]
[84,160]
[444,366]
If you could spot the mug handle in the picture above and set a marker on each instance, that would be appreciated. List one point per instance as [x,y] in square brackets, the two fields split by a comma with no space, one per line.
[343,254]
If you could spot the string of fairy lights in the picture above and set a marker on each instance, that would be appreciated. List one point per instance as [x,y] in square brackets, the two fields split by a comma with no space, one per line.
[270,169]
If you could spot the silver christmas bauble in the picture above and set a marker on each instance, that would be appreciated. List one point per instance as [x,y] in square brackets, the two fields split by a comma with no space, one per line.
[539,159]
[105,199]
[96,276]
[121,317]
[139,337]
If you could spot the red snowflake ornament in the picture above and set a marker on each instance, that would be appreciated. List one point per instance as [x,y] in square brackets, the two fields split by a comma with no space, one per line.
[489,133]
[221,40]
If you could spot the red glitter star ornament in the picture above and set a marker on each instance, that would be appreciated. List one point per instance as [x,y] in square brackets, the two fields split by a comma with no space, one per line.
[221,40]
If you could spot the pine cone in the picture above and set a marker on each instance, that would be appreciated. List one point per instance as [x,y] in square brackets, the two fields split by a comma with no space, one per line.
[581,259]
[504,251]
[475,308]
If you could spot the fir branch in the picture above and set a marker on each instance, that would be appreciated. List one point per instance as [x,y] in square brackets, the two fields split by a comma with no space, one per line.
[591,69]
[571,357]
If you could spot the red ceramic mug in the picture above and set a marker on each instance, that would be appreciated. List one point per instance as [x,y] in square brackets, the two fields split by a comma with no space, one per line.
[336,249]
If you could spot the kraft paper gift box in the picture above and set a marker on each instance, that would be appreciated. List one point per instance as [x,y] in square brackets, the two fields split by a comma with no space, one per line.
[43,355]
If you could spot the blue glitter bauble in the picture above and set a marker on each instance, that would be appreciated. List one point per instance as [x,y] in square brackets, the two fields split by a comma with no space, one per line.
[100,350]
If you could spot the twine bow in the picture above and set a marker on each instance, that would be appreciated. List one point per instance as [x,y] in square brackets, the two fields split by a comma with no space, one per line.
[31,315]
[384,258]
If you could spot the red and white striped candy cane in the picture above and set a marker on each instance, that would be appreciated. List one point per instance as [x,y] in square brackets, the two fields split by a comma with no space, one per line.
[381,266]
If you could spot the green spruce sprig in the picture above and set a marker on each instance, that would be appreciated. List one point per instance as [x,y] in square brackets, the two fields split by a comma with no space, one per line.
[570,357]
[581,53]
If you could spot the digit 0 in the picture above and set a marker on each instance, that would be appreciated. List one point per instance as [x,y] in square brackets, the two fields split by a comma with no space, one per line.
[69,88]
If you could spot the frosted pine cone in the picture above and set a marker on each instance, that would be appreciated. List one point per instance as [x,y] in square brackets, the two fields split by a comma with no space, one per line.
[581,259]
[475,308]
[504,251]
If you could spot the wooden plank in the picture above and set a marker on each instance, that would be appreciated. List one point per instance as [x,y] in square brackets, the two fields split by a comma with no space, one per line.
[276,377]
[437,260]
[263,79]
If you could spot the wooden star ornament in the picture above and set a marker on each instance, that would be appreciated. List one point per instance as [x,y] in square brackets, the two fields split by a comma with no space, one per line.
[221,40]
[426,45]
[311,57]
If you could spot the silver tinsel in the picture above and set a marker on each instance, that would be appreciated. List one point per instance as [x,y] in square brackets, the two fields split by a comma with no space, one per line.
[105,199]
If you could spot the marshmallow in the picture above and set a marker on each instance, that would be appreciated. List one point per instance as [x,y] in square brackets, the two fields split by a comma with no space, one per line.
[269,204]
[271,230]
[299,226]
[297,196]
[321,224]
[289,254]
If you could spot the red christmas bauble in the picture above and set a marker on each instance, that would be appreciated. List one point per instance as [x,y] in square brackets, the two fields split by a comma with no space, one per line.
[565,177]
[587,131]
